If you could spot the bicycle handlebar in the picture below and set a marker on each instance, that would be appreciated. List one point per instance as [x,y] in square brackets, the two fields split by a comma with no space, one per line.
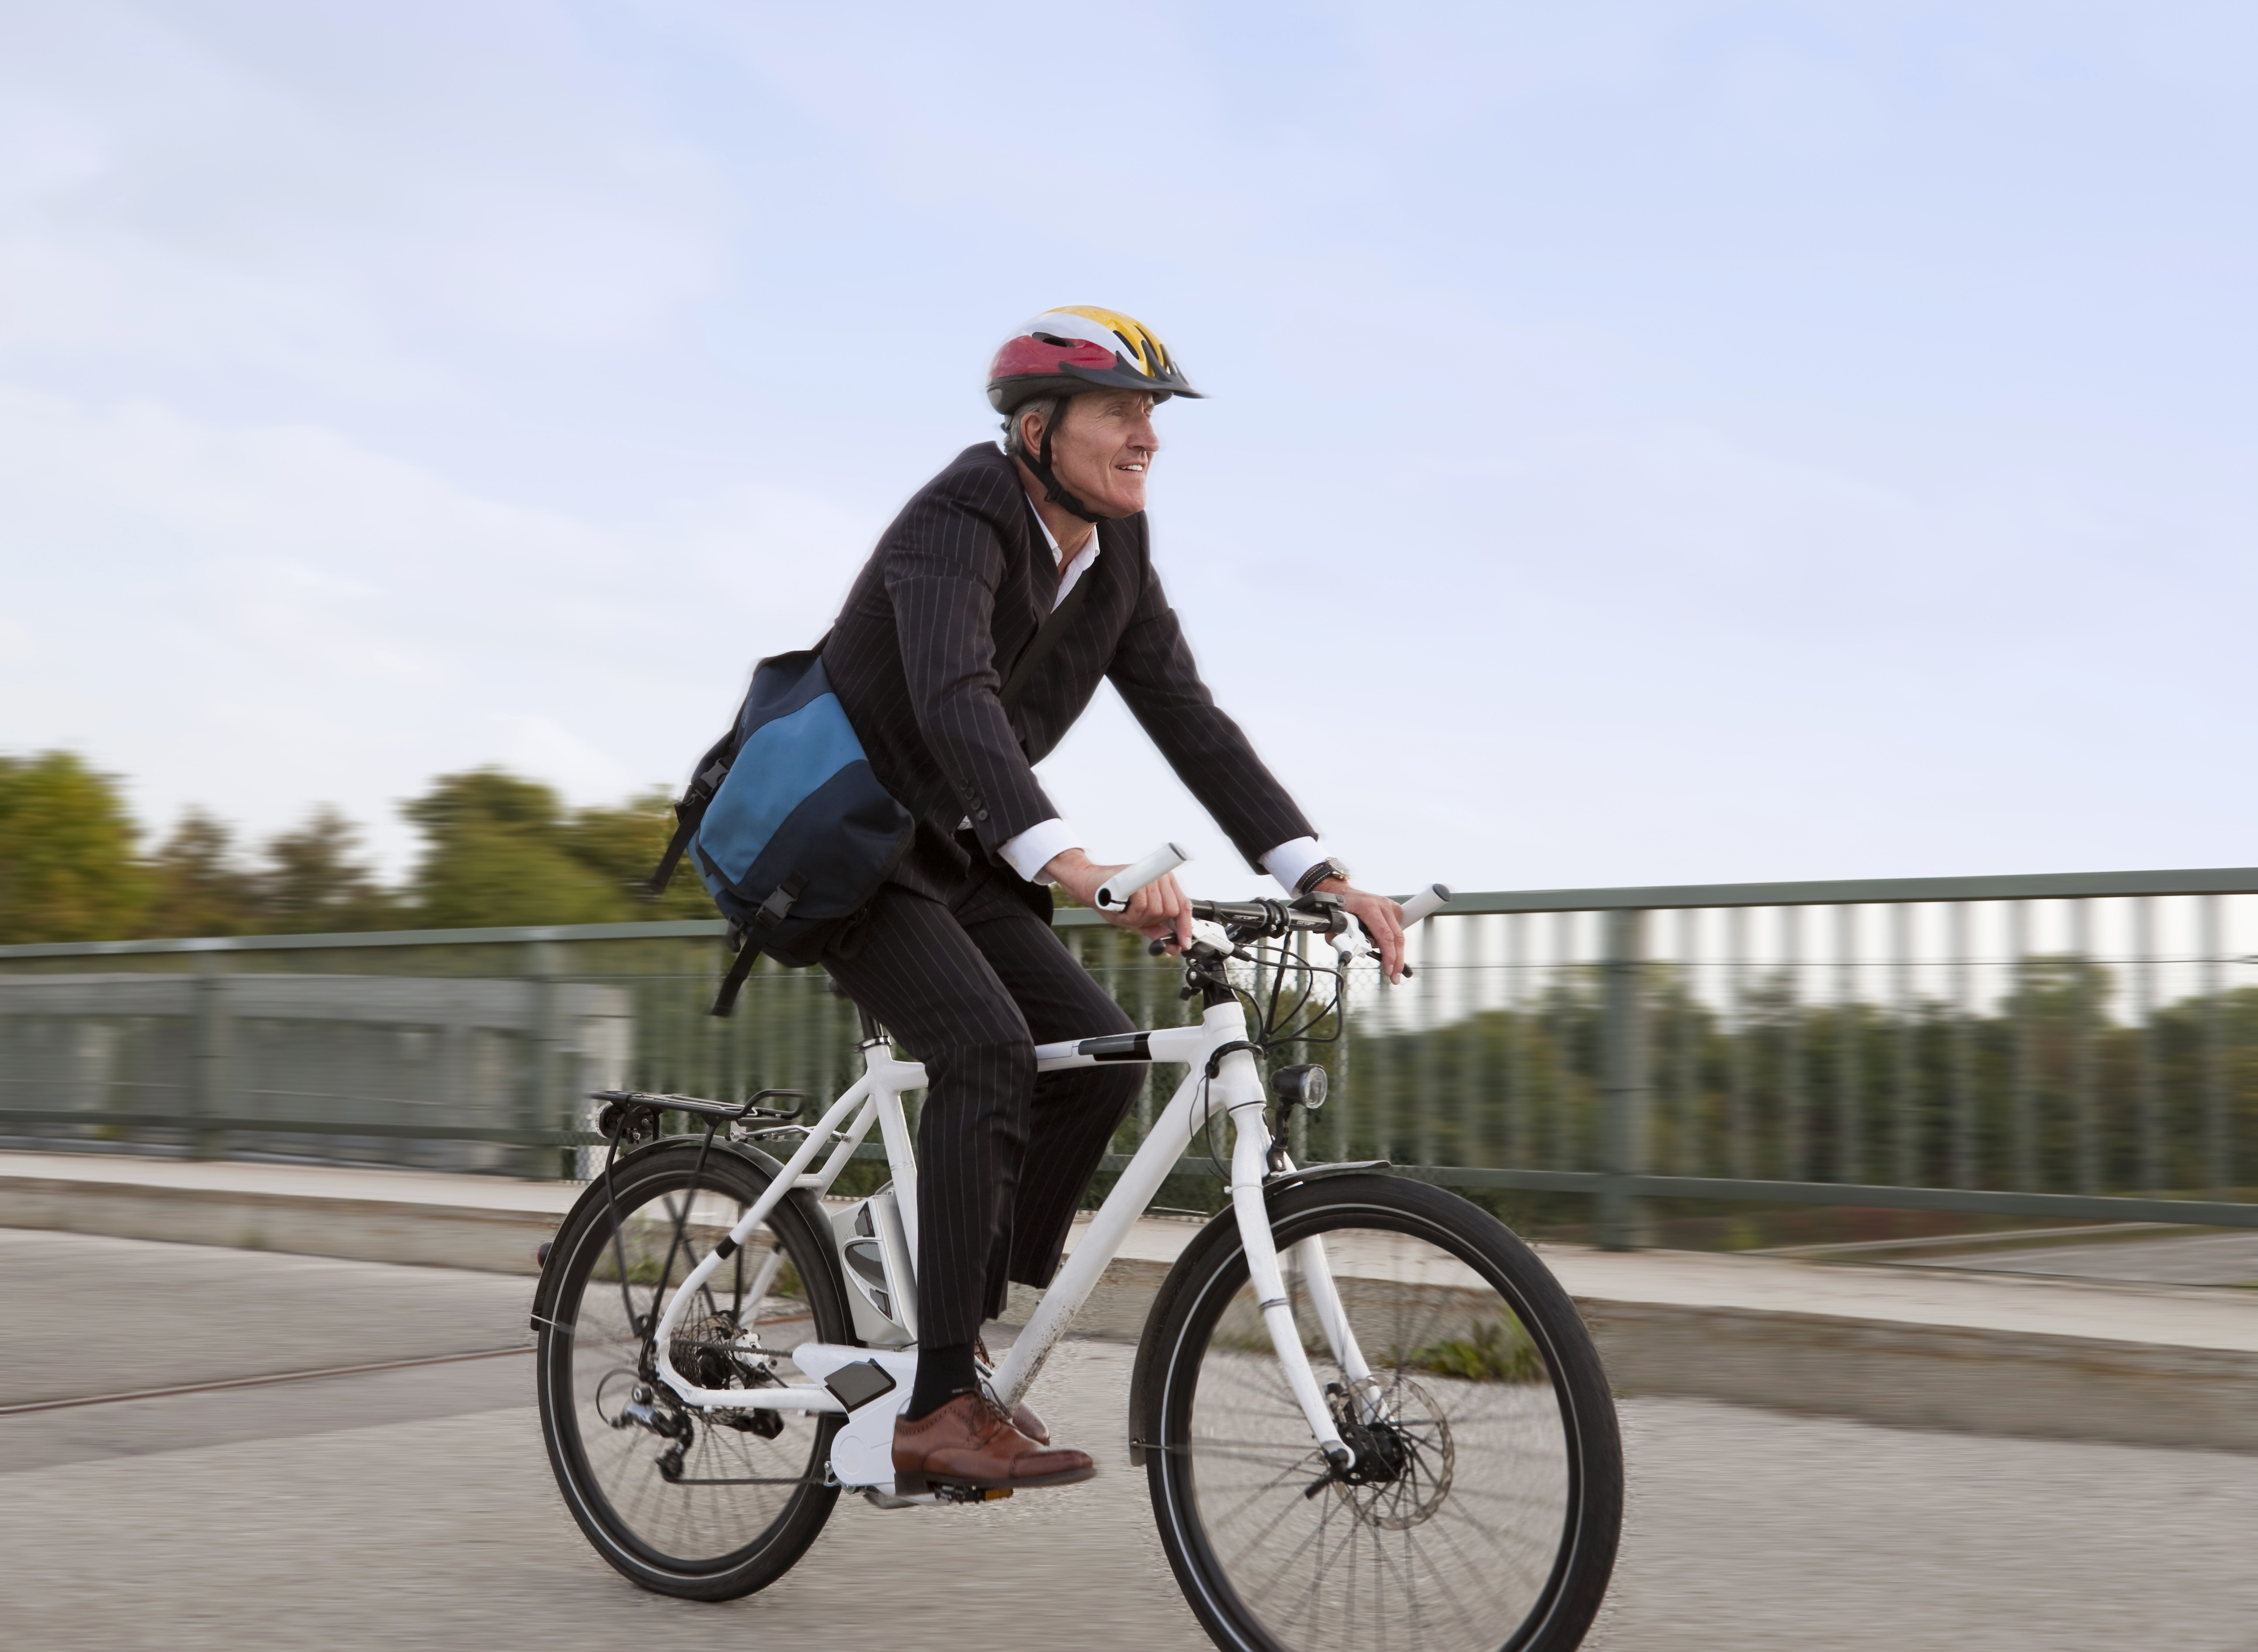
[1116,890]
[1426,904]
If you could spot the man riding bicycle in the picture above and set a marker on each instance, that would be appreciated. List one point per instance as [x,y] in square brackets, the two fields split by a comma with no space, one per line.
[955,954]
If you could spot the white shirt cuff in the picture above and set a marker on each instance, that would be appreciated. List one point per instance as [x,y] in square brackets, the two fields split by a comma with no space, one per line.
[1035,848]
[1288,861]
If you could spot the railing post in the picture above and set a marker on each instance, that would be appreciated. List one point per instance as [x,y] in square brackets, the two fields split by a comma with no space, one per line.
[215,1038]
[548,1105]
[2217,1142]
[1625,1094]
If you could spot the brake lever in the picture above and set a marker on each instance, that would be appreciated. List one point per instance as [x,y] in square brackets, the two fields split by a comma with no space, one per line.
[1354,942]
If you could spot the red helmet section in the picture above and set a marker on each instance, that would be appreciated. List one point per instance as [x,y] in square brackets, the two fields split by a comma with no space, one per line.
[1030,354]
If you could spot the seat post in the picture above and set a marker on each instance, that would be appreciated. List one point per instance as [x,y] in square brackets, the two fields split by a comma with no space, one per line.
[872,1032]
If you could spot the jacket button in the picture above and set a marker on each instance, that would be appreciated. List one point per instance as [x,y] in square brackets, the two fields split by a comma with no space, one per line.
[980,814]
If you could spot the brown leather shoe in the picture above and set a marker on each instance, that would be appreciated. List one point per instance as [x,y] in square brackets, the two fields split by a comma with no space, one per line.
[1024,1417]
[971,1441]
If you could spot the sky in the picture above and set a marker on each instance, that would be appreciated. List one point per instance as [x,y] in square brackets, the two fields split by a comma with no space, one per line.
[1644,443]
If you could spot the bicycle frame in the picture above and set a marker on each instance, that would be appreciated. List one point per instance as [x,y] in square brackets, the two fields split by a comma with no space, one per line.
[1236,1089]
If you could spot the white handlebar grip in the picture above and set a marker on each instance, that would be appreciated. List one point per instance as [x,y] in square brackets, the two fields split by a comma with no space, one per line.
[1116,890]
[1424,904]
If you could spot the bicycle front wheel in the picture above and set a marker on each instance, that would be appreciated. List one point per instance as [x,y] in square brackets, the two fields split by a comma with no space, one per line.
[708,1505]
[1485,1501]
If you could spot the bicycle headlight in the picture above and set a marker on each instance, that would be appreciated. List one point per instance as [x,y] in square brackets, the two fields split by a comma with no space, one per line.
[1303,1086]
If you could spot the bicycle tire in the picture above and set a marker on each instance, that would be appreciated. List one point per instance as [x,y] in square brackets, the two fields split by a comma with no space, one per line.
[697,1534]
[1453,1551]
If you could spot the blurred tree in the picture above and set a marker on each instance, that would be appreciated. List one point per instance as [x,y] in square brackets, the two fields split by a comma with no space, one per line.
[623,845]
[69,870]
[199,888]
[498,850]
[313,882]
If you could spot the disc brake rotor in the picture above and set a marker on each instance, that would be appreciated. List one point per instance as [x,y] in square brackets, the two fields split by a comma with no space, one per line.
[1405,1457]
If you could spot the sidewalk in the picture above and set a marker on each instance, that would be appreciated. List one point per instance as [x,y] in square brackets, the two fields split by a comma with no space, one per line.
[1988,1353]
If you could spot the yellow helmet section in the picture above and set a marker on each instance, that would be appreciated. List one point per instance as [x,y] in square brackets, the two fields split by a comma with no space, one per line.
[1138,340]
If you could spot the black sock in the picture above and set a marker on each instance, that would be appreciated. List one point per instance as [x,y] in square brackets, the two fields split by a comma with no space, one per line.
[942,1373]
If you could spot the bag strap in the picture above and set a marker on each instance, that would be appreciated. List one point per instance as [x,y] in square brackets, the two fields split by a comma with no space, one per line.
[750,942]
[689,809]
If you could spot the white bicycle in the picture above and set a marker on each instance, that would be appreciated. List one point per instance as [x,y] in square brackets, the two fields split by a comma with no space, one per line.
[1368,1414]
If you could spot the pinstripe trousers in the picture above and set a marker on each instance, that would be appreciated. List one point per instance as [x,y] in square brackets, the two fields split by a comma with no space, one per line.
[969,986]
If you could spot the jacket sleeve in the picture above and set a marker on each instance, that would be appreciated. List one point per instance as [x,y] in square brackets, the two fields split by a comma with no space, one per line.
[941,578]
[1153,670]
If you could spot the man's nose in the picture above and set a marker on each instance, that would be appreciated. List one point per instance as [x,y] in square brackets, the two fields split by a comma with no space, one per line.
[1144,436]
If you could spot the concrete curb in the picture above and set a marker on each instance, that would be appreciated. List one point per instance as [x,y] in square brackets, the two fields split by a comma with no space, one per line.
[1945,1377]
[2004,1379]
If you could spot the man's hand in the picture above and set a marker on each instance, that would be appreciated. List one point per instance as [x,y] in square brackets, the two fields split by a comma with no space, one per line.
[1383,921]
[1157,911]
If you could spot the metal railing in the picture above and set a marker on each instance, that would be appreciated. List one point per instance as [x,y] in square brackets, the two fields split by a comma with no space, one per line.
[2083,1046]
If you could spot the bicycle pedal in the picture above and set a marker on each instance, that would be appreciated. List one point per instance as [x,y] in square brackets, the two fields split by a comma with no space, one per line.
[879,1498]
[970,1493]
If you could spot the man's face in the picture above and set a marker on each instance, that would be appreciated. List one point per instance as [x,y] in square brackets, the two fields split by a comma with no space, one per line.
[1102,450]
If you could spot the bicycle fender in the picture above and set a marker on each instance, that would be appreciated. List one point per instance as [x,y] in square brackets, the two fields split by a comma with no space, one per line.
[1221,1229]
[551,1280]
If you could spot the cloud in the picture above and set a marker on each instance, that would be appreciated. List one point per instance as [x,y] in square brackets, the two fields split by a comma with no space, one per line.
[274,190]
[255,617]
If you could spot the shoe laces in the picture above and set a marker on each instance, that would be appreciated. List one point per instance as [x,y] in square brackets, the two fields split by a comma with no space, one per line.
[994,1406]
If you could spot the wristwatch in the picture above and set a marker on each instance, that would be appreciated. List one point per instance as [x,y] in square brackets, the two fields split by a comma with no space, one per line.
[1318,874]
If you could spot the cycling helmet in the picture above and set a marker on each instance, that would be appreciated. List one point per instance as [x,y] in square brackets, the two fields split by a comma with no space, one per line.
[1064,352]
[1081,347]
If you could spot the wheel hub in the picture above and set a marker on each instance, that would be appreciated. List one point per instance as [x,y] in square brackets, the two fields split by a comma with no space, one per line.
[1402,1473]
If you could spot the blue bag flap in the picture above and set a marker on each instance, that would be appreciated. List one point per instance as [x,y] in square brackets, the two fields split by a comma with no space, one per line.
[781,763]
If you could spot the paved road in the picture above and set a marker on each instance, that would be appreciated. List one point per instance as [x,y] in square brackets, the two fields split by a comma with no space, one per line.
[414,1508]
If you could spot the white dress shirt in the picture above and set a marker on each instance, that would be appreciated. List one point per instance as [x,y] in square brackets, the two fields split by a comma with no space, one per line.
[1035,848]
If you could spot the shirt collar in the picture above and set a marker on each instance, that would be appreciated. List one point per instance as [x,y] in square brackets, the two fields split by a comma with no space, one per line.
[1088,554]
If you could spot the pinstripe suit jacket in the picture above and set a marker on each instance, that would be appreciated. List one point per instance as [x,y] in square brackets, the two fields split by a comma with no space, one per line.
[954,591]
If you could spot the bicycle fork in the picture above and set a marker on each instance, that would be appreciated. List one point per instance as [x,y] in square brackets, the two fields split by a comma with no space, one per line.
[1250,1165]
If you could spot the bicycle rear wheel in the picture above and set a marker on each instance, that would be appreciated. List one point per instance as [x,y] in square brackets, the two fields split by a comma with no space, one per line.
[707,1505]
[1485,1502]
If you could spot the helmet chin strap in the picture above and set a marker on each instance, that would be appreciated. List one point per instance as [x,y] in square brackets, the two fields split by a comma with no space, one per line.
[1054,491]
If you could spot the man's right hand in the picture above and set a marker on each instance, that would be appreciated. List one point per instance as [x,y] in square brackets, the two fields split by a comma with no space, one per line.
[1158,912]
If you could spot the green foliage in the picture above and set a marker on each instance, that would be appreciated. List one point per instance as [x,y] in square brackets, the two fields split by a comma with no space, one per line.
[199,889]
[498,850]
[314,884]
[311,882]
[624,844]
[1489,1352]
[70,869]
